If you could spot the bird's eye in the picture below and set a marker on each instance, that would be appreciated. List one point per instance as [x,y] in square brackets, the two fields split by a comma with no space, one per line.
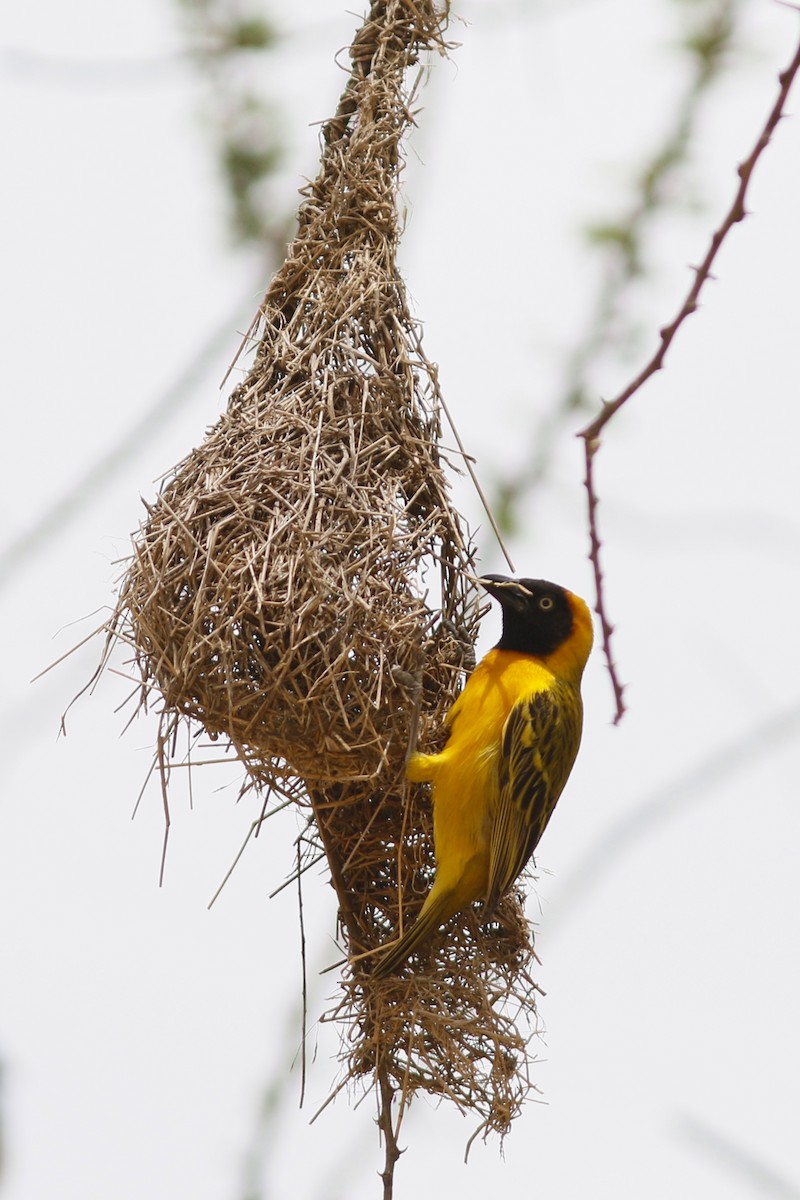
[545,602]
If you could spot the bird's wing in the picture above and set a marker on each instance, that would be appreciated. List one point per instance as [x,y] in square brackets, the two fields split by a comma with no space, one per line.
[539,742]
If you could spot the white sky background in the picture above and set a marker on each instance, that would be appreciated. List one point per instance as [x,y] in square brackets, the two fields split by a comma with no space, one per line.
[137,1030]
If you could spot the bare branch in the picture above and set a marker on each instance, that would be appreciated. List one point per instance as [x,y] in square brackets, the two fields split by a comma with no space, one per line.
[391,1149]
[606,628]
[591,433]
[304,975]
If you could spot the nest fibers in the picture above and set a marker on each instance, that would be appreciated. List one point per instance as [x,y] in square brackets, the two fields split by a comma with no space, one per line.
[278,596]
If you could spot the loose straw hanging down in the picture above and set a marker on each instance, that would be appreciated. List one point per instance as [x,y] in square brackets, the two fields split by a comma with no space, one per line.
[276,596]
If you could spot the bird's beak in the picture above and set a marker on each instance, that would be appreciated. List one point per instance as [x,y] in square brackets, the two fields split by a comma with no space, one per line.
[509,592]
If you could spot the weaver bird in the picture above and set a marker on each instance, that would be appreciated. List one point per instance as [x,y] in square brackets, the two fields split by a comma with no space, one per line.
[514,733]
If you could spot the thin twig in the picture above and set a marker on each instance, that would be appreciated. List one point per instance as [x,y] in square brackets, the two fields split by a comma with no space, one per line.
[89,638]
[304,974]
[391,1149]
[606,628]
[476,483]
[145,782]
[329,1099]
[295,876]
[591,433]
[163,770]
[473,1137]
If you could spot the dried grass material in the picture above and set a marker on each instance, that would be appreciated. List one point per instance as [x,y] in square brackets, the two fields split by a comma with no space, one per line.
[274,595]
[460,1024]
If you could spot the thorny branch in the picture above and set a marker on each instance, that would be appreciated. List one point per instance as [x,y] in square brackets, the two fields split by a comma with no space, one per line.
[391,1149]
[591,433]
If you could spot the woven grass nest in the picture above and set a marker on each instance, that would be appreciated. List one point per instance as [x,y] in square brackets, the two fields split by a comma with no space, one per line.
[301,588]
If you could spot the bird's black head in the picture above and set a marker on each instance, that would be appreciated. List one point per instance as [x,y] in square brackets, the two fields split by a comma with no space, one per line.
[537,615]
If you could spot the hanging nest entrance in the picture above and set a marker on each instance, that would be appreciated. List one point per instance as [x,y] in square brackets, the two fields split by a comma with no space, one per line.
[300,587]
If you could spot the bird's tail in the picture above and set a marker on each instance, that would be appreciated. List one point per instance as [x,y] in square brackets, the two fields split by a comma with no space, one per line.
[435,911]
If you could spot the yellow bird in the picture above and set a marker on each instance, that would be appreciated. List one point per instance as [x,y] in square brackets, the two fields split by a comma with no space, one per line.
[514,734]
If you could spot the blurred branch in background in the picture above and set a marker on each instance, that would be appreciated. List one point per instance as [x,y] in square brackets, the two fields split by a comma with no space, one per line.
[592,432]
[243,121]
[281,1093]
[272,1108]
[622,240]
[33,67]
[102,472]
[246,133]
[696,785]
[752,1172]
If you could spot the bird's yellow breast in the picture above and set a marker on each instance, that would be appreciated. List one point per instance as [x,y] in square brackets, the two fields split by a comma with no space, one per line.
[465,774]
[500,681]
